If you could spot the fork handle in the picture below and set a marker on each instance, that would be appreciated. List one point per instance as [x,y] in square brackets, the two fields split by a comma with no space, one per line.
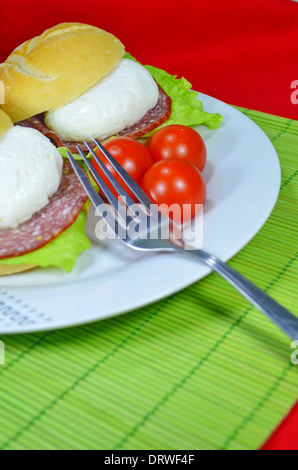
[285,320]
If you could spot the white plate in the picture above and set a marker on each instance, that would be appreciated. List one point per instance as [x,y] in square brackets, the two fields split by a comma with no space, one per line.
[243,181]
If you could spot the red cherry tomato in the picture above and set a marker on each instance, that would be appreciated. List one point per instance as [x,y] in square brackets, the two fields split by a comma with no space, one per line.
[176,182]
[178,142]
[132,156]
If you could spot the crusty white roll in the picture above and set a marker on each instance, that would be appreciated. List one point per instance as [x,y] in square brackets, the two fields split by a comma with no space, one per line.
[5,123]
[6,270]
[52,69]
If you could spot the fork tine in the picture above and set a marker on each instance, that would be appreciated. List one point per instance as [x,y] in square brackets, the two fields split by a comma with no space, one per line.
[120,190]
[93,195]
[133,186]
[103,186]
[95,198]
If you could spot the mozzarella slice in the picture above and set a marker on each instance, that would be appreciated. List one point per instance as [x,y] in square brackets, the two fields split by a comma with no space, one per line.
[119,100]
[30,172]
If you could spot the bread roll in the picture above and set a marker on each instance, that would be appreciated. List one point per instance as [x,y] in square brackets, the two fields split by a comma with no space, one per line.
[6,269]
[5,122]
[53,69]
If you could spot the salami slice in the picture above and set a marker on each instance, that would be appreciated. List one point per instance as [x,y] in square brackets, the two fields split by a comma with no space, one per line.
[46,225]
[153,119]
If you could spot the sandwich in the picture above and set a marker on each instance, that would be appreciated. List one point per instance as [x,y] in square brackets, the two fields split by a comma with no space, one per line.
[75,82]
[72,83]
[40,200]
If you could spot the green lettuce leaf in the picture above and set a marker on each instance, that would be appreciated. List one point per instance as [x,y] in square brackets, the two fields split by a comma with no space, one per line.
[186,108]
[61,252]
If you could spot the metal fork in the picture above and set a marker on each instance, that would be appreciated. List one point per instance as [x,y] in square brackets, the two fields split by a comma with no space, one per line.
[285,320]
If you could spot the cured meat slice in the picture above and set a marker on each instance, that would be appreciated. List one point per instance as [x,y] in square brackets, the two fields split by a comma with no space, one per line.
[152,119]
[37,122]
[46,225]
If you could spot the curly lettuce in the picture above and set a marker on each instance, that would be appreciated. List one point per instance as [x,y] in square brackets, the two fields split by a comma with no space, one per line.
[61,252]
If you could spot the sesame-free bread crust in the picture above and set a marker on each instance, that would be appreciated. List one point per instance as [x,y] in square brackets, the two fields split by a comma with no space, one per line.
[53,69]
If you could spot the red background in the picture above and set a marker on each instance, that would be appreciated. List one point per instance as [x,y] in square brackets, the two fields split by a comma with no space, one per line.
[244,52]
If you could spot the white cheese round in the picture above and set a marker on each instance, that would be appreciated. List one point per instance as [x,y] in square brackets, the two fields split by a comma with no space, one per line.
[117,101]
[30,172]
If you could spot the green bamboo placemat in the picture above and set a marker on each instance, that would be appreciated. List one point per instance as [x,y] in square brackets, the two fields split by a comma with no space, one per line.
[199,370]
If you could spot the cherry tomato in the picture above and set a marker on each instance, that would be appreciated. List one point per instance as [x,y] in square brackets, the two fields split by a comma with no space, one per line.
[178,142]
[176,182]
[132,156]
